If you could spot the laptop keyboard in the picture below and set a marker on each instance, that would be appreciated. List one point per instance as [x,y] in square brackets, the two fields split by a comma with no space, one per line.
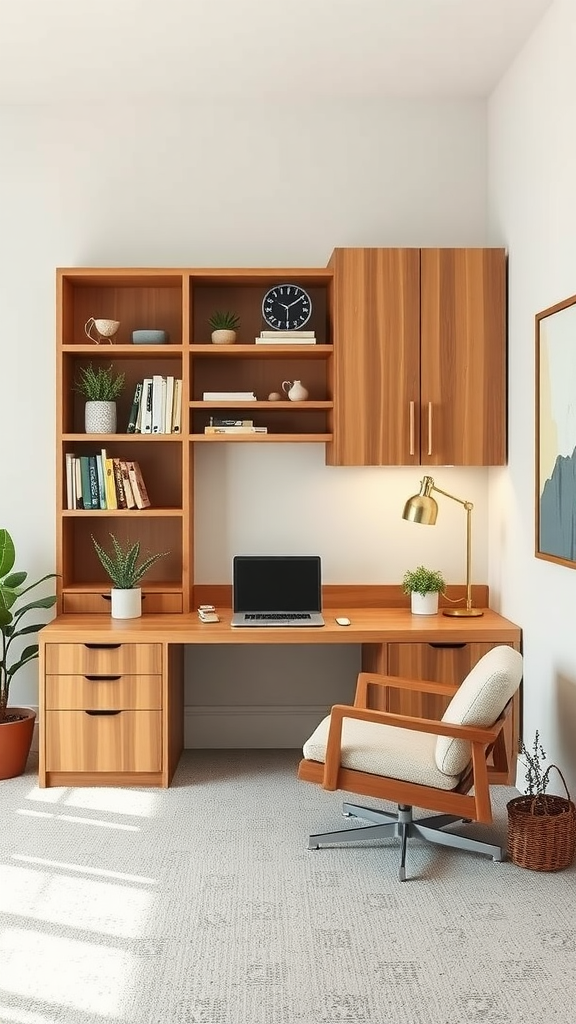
[273,616]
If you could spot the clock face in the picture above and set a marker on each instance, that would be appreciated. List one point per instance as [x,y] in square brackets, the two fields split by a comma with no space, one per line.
[286,307]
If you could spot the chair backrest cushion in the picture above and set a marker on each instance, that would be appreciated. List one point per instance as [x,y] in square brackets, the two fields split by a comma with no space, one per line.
[480,700]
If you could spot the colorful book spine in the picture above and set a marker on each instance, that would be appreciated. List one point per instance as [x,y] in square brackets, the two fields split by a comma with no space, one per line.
[133,417]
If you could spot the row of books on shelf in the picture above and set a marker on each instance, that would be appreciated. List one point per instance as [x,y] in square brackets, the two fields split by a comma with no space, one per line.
[286,338]
[156,406]
[100,482]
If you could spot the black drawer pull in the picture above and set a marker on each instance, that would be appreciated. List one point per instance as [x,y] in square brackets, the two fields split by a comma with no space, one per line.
[450,647]
[102,679]
[102,647]
[102,713]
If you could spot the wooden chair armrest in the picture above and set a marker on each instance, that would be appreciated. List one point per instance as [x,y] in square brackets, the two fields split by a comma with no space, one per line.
[398,683]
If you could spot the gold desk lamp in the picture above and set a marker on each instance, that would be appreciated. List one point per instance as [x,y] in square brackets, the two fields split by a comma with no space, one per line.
[423,508]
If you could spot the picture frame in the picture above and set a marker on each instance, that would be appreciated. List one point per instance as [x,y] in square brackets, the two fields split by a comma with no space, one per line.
[556,433]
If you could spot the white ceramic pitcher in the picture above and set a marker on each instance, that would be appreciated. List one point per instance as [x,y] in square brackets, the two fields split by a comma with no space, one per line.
[295,390]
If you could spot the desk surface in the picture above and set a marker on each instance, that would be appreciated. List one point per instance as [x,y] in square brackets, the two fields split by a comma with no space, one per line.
[368,625]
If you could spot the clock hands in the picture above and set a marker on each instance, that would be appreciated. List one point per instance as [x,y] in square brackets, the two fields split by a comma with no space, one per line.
[299,299]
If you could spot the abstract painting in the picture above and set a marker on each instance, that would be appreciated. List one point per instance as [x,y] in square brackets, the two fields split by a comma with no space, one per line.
[556,433]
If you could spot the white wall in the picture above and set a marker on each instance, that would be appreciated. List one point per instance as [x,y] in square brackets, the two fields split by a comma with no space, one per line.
[219,185]
[532,175]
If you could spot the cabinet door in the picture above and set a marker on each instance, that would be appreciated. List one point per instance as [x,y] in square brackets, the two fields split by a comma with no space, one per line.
[376,357]
[446,663]
[463,357]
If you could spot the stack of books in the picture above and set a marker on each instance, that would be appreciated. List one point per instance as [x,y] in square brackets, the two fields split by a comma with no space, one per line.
[286,338]
[156,406]
[221,425]
[100,482]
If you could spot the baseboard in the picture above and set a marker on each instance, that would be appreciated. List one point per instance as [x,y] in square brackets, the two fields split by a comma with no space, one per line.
[258,727]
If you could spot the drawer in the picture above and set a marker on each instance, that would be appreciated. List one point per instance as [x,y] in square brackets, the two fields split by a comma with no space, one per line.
[152,603]
[104,659]
[123,741]
[118,693]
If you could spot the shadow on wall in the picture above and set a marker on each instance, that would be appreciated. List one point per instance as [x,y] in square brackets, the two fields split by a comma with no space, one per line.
[566,709]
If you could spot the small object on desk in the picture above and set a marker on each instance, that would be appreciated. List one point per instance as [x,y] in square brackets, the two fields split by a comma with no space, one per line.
[207,613]
[343,621]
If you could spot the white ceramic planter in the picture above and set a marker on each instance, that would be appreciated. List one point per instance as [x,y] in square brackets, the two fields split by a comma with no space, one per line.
[424,604]
[126,604]
[100,418]
[223,337]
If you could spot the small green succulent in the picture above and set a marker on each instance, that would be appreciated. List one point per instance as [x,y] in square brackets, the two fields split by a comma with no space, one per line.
[224,321]
[101,384]
[423,581]
[120,564]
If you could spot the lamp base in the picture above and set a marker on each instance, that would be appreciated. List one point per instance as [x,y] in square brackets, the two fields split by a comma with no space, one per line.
[463,612]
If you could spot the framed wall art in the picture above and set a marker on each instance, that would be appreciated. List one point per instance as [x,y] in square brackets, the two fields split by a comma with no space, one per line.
[556,433]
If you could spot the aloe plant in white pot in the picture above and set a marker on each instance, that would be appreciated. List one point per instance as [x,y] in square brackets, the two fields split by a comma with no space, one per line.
[16,723]
[424,586]
[101,386]
[125,573]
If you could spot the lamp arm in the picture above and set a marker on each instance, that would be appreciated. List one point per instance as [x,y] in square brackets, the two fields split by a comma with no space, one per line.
[468,505]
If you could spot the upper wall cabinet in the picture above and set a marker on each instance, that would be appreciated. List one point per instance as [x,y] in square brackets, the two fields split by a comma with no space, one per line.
[419,357]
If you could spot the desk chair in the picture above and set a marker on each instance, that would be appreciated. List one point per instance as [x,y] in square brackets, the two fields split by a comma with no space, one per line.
[417,761]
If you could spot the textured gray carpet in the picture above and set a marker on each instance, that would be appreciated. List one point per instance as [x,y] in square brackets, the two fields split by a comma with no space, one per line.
[202,904]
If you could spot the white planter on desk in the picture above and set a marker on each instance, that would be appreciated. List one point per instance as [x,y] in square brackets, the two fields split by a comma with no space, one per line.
[126,604]
[424,604]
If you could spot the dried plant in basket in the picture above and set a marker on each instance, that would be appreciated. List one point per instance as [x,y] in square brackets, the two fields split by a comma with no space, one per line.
[541,827]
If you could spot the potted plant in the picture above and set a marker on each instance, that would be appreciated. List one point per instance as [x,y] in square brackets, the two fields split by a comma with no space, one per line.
[16,724]
[424,586]
[224,326]
[122,567]
[541,827]
[101,387]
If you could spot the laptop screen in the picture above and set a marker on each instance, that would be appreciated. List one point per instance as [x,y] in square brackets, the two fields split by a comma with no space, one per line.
[277,583]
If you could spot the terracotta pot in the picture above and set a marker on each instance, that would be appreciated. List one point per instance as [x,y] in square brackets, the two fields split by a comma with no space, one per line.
[15,742]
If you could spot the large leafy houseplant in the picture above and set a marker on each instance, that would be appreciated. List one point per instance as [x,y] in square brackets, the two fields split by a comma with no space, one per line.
[13,587]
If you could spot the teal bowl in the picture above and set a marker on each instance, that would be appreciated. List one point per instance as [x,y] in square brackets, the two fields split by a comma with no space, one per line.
[149,337]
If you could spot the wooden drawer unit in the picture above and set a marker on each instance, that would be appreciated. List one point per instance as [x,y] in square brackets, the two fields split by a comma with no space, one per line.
[112,693]
[103,659]
[100,741]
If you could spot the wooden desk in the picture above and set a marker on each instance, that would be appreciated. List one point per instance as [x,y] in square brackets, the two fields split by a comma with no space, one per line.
[111,691]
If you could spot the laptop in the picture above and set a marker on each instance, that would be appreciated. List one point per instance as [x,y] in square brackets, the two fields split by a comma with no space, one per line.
[277,590]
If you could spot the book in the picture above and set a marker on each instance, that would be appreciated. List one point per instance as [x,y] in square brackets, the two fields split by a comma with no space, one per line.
[110,484]
[177,407]
[93,473]
[146,401]
[78,482]
[85,473]
[235,430]
[223,421]
[138,486]
[70,481]
[229,396]
[158,413]
[119,484]
[101,482]
[169,405]
[288,340]
[292,334]
[127,486]
[133,417]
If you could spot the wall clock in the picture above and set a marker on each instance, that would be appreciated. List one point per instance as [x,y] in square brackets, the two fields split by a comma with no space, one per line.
[286,307]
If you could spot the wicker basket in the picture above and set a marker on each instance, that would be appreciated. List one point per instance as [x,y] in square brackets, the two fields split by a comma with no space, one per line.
[542,831]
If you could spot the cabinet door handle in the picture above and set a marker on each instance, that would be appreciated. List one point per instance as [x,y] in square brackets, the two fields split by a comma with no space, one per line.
[102,647]
[102,679]
[411,428]
[102,713]
[448,646]
[429,428]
